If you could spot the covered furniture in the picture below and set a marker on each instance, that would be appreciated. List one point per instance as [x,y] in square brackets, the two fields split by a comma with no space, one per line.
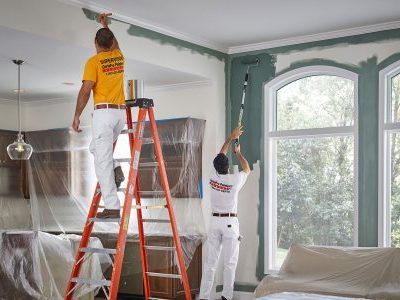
[304,296]
[36,265]
[371,273]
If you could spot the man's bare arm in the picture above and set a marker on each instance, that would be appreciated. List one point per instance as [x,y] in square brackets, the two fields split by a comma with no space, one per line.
[104,22]
[83,98]
[242,160]
[233,136]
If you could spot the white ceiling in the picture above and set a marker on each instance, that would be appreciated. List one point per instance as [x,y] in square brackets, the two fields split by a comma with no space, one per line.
[49,63]
[219,24]
[222,24]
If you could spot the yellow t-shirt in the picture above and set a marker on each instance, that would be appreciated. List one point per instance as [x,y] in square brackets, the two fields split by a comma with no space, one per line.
[106,69]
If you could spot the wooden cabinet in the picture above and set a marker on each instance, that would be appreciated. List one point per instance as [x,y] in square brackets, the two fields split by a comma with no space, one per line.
[131,283]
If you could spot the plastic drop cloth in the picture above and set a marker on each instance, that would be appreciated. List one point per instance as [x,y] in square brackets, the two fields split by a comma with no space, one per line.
[36,265]
[303,296]
[61,184]
[371,273]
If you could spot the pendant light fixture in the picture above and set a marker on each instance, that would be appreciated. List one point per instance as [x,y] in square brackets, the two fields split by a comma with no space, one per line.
[19,150]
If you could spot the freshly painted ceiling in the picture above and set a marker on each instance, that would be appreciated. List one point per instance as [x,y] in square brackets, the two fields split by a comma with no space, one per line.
[224,24]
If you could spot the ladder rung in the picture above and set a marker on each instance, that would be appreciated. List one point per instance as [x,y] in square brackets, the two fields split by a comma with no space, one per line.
[161,248]
[152,298]
[148,140]
[125,131]
[99,250]
[104,220]
[149,206]
[151,192]
[156,221]
[153,274]
[142,164]
[95,282]
[143,192]
[143,206]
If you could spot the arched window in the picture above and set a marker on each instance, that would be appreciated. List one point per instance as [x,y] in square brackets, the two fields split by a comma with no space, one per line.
[389,158]
[310,160]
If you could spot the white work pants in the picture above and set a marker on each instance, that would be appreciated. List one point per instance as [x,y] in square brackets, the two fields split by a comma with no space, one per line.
[223,233]
[106,126]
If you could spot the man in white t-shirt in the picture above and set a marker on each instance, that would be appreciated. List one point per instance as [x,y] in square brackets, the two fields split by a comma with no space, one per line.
[224,227]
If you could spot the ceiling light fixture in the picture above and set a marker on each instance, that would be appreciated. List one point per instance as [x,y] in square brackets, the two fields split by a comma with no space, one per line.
[19,150]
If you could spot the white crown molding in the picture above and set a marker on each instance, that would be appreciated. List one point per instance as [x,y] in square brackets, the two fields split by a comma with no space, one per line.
[148,25]
[315,37]
[176,86]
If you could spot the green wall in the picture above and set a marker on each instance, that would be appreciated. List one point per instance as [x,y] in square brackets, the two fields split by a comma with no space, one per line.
[368,98]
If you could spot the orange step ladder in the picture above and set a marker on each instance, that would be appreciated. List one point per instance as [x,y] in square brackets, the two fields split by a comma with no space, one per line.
[110,287]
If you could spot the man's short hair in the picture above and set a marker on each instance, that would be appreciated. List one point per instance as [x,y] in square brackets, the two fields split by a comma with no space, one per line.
[104,38]
[221,164]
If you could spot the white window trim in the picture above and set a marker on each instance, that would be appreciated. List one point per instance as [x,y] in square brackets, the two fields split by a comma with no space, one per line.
[385,127]
[269,107]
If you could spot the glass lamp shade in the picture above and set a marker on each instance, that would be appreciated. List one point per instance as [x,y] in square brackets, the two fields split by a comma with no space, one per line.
[19,150]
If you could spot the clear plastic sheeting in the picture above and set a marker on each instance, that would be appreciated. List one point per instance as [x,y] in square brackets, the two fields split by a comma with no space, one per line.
[61,180]
[371,273]
[304,296]
[36,265]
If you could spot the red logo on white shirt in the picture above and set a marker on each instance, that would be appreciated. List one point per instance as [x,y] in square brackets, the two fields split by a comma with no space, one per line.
[220,187]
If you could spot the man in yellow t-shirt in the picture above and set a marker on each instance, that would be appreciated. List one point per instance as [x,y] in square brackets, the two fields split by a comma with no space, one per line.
[104,74]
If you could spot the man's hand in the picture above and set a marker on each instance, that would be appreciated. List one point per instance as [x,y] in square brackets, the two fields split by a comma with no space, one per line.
[236,132]
[75,124]
[103,19]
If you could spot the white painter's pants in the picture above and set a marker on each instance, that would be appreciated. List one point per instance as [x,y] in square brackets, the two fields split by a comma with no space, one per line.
[223,233]
[106,126]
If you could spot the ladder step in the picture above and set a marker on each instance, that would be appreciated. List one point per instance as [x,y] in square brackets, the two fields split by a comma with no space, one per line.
[99,250]
[144,140]
[102,220]
[152,298]
[142,164]
[143,192]
[150,193]
[143,206]
[94,282]
[156,221]
[161,248]
[165,275]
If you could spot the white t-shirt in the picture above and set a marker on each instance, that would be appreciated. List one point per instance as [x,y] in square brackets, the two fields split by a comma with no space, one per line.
[224,191]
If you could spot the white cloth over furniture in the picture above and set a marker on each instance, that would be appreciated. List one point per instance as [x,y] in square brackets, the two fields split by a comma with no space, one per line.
[353,272]
[304,296]
[37,265]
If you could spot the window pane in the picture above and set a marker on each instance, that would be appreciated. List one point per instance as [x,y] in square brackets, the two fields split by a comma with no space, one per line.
[315,192]
[395,188]
[395,84]
[315,102]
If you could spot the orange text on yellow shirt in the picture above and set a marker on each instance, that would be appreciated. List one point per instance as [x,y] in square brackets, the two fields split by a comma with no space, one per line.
[106,69]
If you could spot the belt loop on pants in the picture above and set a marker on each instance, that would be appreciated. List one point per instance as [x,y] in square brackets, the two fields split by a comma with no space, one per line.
[109,105]
[224,215]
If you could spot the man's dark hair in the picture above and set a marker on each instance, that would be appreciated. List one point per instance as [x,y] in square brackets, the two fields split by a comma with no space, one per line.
[221,163]
[104,38]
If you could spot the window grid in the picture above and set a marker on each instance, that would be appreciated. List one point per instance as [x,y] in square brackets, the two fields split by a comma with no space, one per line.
[272,135]
[388,126]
